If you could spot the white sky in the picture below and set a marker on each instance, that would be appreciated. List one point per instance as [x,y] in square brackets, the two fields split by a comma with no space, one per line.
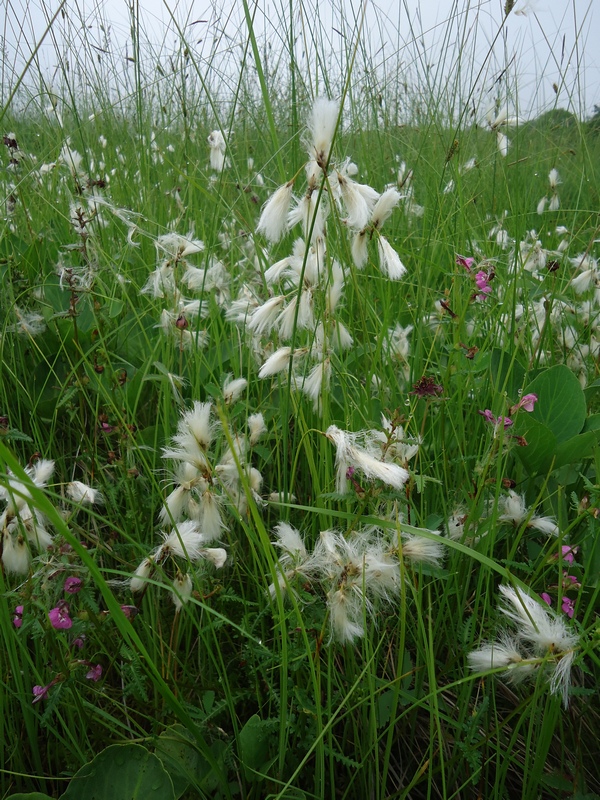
[542,42]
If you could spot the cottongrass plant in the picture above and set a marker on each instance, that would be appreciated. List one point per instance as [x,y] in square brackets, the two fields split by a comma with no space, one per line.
[23,525]
[357,574]
[205,486]
[541,640]
[310,281]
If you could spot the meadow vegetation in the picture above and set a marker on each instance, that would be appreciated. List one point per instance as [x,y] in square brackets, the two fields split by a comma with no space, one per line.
[299,422]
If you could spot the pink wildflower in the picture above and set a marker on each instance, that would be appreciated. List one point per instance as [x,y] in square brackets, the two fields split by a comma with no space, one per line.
[570,582]
[506,422]
[568,553]
[546,598]
[40,693]
[73,585]
[568,606]
[465,261]
[527,402]
[481,281]
[95,673]
[59,617]
[18,617]
[130,611]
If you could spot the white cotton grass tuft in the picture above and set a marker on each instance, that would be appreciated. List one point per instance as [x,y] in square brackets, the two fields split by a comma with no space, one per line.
[256,428]
[264,318]
[217,556]
[359,249]
[364,459]
[218,146]
[384,206]
[15,554]
[277,362]
[345,612]
[541,640]
[322,125]
[359,201]
[82,493]
[419,550]
[389,260]
[142,574]
[317,381]
[503,653]
[184,541]
[273,222]
[515,511]
[233,388]
[182,590]
[290,541]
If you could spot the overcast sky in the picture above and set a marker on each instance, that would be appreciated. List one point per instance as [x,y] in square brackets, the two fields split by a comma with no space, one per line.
[552,47]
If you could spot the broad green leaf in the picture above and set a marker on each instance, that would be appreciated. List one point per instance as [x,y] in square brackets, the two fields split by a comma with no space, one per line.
[576,448]
[183,762]
[121,772]
[592,423]
[561,403]
[537,455]
[30,796]
[253,746]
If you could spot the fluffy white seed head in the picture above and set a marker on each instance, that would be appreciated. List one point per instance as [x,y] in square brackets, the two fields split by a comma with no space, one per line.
[277,362]
[389,260]
[290,541]
[216,555]
[322,124]
[184,541]
[82,493]
[384,207]
[273,220]
[140,576]
[256,428]
[182,590]
[15,554]
[233,389]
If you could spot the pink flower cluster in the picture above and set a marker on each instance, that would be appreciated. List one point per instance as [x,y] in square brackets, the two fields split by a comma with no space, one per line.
[569,582]
[527,402]
[481,277]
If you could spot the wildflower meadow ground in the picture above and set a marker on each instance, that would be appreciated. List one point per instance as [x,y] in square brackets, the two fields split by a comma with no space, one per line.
[299,419]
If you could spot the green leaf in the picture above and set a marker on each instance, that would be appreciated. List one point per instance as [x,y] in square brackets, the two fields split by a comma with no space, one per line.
[115,307]
[537,455]
[592,423]
[254,747]
[508,374]
[561,403]
[30,796]
[577,448]
[121,772]
[183,762]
